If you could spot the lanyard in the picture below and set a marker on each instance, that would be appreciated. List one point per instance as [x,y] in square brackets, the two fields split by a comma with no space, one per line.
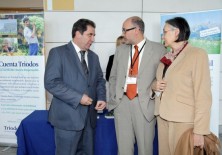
[181,50]
[166,65]
[132,63]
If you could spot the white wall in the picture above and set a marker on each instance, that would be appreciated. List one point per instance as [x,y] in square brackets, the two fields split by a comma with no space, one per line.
[109,15]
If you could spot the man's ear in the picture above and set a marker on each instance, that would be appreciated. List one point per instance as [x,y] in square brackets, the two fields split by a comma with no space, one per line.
[78,34]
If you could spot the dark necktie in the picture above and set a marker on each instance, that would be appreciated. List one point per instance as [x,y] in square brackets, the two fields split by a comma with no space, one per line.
[131,90]
[83,62]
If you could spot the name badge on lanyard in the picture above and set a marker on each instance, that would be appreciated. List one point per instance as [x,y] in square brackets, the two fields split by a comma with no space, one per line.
[131,80]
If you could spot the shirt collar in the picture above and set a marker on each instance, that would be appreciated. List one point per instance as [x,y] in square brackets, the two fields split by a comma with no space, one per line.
[140,44]
[77,48]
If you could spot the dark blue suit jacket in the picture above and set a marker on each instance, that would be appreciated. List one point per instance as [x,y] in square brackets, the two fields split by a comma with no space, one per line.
[66,81]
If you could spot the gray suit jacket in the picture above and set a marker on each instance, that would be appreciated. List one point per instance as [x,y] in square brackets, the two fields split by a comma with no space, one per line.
[147,71]
[66,81]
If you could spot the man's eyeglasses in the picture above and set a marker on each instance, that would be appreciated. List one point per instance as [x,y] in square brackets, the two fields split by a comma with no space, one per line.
[125,30]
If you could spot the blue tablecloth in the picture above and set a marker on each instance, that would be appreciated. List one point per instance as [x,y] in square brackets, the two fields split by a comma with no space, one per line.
[35,136]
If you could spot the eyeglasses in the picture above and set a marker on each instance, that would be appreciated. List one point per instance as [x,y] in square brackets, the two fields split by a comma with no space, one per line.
[125,30]
[165,31]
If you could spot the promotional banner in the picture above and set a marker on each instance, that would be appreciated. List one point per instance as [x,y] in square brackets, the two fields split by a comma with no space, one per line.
[206,33]
[22,65]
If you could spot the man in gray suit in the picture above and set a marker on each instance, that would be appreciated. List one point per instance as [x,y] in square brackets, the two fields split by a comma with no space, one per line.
[134,111]
[74,77]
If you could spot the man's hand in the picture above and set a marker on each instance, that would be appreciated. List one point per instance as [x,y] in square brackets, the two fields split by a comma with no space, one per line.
[86,100]
[100,105]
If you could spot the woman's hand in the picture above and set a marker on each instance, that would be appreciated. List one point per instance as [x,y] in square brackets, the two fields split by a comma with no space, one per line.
[198,140]
[159,85]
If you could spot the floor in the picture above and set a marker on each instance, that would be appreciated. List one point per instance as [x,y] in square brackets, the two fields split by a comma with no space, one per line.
[6,150]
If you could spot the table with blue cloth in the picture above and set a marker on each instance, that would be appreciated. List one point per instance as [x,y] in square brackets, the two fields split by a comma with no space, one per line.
[35,136]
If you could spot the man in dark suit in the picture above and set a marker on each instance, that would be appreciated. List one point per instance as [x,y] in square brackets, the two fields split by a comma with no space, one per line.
[78,90]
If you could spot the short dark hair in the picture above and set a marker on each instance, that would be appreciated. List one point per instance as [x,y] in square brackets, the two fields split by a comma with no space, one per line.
[25,19]
[182,25]
[81,26]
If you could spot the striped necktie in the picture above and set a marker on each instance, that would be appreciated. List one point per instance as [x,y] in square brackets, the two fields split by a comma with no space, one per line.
[83,62]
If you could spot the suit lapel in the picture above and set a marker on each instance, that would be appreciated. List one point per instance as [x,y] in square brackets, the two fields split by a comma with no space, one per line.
[159,73]
[146,58]
[177,60]
[75,56]
[125,59]
[90,63]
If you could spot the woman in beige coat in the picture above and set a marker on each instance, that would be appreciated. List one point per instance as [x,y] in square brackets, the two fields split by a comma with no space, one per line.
[182,89]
